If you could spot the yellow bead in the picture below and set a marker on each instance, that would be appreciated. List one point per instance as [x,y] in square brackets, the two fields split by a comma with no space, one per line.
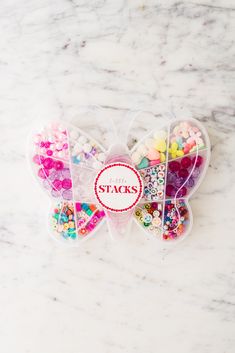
[160,145]
[180,153]
[162,157]
[66,226]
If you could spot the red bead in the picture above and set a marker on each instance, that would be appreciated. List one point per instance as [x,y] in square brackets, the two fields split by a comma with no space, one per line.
[198,160]
[170,190]
[174,166]
[183,173]
[182,192]
[185,162]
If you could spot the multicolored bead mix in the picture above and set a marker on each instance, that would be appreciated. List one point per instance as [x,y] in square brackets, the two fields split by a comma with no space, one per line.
[150,217]
[63,220]
[55,176]
[154,182]
[88,216]
[182,175]
[52,142]
[176,218]
[85,151]
[185,139]
[151,152]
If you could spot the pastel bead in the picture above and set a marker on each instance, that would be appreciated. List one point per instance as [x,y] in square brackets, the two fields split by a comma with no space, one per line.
[153,155]
[149,143]
[160,145]
[136,157]
[162,157]
[154,162]
[143,164]
[160,135]
[142,150]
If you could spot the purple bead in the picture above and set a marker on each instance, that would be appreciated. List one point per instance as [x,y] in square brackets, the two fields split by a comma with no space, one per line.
[190,183]
[67,194]
[171,177]
[66,173]
[46,184]
[56,174]
[196,173]
[55,193]
[179,182]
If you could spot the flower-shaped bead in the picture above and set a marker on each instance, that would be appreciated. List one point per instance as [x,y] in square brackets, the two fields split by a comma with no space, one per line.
[175,151]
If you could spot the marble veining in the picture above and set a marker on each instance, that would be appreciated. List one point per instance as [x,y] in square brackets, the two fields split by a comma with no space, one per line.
[132,296]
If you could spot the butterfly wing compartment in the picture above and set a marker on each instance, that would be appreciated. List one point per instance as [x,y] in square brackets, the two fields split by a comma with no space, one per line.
[170,182]
[65,161]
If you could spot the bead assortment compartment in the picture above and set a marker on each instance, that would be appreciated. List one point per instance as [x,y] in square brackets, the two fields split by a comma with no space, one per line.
[167,222]
[185,150]
[150,151]
[73,223]
[149,216]
[154,182]
[84,150]
[176,219]
[66,170]
[51,161]
[183,174]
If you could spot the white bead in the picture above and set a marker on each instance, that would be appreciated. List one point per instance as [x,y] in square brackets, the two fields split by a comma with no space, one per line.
[149,143]
[160,135]
[142,150]
[59,146]
[74,135]
[101,157]
[77,149]
[136,157]
[87,148]
[60,154]
[82,140]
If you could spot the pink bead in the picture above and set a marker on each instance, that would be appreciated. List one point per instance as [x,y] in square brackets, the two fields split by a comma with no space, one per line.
[38,159]
[58,165]
[78,207]
[47,144]
[57,184]
[65,146]
[48,163]
[67,184]
[43,173]
[49,152]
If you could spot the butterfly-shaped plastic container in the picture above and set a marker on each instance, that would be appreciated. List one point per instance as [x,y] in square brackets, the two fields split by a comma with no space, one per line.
[170,161]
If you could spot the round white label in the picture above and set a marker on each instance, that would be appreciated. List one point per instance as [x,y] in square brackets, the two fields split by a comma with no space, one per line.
[118,187]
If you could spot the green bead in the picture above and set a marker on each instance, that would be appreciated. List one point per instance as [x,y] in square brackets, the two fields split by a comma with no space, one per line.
[143,164]
[89,212]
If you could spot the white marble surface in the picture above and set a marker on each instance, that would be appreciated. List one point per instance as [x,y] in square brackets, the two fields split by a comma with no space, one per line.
[132,297]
